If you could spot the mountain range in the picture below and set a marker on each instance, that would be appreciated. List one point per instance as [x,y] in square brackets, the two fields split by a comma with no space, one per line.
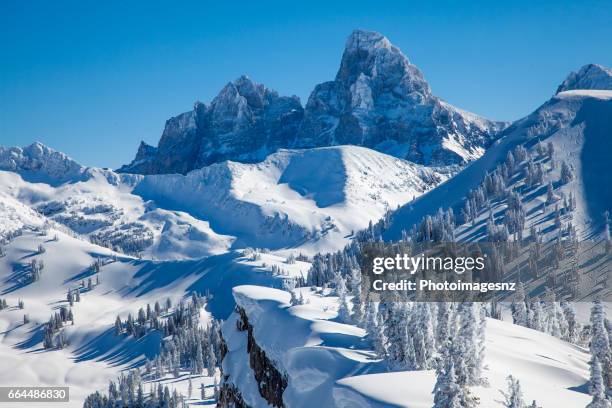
[378,100]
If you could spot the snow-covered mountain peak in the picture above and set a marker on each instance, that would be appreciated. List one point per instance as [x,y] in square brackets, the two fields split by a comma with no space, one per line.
[590,76]
[382,101]
[371,54]
[40,163]
[366,40]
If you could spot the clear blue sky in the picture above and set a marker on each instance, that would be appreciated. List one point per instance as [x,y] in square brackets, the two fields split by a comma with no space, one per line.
[94,80]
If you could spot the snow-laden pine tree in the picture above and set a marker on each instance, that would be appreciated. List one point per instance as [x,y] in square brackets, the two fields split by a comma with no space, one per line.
[396,335]
[451,391]
[573,327]
[514,397]
[445,323]
[552,313]
[519,307]
[597,387]
[550,193]
[420,341]
[567,174]
[211,360]
[600,344]
[481,343]
[358,313]
[375,329]
[344,311]
[536,315]
[470,334]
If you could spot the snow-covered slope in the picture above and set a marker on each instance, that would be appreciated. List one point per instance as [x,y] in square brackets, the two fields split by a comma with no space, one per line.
[331,364]
[39,163]
[94,354]
[99,204]
[577,123]
[308,200]
[296,200]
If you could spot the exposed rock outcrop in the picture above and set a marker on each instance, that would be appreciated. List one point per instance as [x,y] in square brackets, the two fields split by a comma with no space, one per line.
[245,122]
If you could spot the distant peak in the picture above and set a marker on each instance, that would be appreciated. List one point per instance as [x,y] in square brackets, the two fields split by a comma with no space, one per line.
[38,146]
[366,40]
[371,54]
[243,79]
[590,76]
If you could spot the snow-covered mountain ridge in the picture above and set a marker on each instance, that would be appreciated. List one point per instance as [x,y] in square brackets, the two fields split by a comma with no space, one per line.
[591,76]
[576,123]
[304,200]
[377,100]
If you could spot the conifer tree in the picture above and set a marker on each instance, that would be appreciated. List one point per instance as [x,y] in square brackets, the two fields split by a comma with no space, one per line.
[597,388]
[600,343]
[514,397]
[519,307]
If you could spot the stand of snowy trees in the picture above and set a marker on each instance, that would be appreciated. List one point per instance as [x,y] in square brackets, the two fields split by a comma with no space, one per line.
[53,335]
[549,316]
[186,347]
[129,392]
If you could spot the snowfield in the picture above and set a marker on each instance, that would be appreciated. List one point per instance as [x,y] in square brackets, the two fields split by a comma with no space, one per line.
[332,364]
[297,201]
[94,354]
[577,123]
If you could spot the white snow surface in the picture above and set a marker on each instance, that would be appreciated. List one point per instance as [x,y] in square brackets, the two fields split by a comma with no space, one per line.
[578,124]
[95,354]
[294,201]
[307,200]
[331,364]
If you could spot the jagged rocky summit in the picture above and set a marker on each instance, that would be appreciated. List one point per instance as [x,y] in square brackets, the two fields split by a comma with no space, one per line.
[377,100]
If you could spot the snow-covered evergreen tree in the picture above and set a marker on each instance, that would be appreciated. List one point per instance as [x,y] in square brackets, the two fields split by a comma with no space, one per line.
[567,174]
[450,390]
[600,344]
[519,307]
[597,387]
[444,327]
[513,398]
[467,347]
[396,335]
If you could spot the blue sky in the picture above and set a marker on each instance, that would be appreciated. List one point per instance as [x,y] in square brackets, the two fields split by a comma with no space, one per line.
[93,80]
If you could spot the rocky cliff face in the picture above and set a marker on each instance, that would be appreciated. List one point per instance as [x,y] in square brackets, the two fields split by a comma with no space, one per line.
[245,122]
[382,101]
[377,100]
[271,383]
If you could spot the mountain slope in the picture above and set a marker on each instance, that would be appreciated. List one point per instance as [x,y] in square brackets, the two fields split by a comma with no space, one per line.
[304,200]
[327,363]
[378,100]
[577,124]
[309,200]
